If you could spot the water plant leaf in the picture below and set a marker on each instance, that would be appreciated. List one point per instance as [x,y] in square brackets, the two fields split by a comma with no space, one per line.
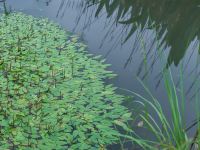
[52,93]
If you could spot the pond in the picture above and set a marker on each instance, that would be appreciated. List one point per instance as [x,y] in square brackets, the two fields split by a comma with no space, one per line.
[138,38]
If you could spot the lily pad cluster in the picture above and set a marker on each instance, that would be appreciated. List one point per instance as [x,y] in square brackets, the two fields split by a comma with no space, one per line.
[52,92]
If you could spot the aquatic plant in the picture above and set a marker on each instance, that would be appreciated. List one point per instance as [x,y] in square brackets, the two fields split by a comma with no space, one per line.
[167,132]
[52,93]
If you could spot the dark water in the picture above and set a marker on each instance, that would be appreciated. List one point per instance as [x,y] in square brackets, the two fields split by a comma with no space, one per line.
[138,37]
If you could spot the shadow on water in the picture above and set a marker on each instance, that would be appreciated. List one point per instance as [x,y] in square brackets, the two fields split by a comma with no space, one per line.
[179,18]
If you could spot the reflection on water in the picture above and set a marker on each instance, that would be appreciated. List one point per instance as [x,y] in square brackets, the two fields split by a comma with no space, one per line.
[180,19]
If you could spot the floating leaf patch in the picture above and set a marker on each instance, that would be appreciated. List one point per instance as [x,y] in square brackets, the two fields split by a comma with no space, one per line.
[52,93]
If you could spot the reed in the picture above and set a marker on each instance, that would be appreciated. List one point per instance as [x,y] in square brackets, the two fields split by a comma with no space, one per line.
[168,132]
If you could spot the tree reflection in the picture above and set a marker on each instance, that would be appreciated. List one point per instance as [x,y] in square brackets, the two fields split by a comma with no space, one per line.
[181,19]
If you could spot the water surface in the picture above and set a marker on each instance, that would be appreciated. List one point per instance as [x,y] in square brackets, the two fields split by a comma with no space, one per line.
[139,38]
